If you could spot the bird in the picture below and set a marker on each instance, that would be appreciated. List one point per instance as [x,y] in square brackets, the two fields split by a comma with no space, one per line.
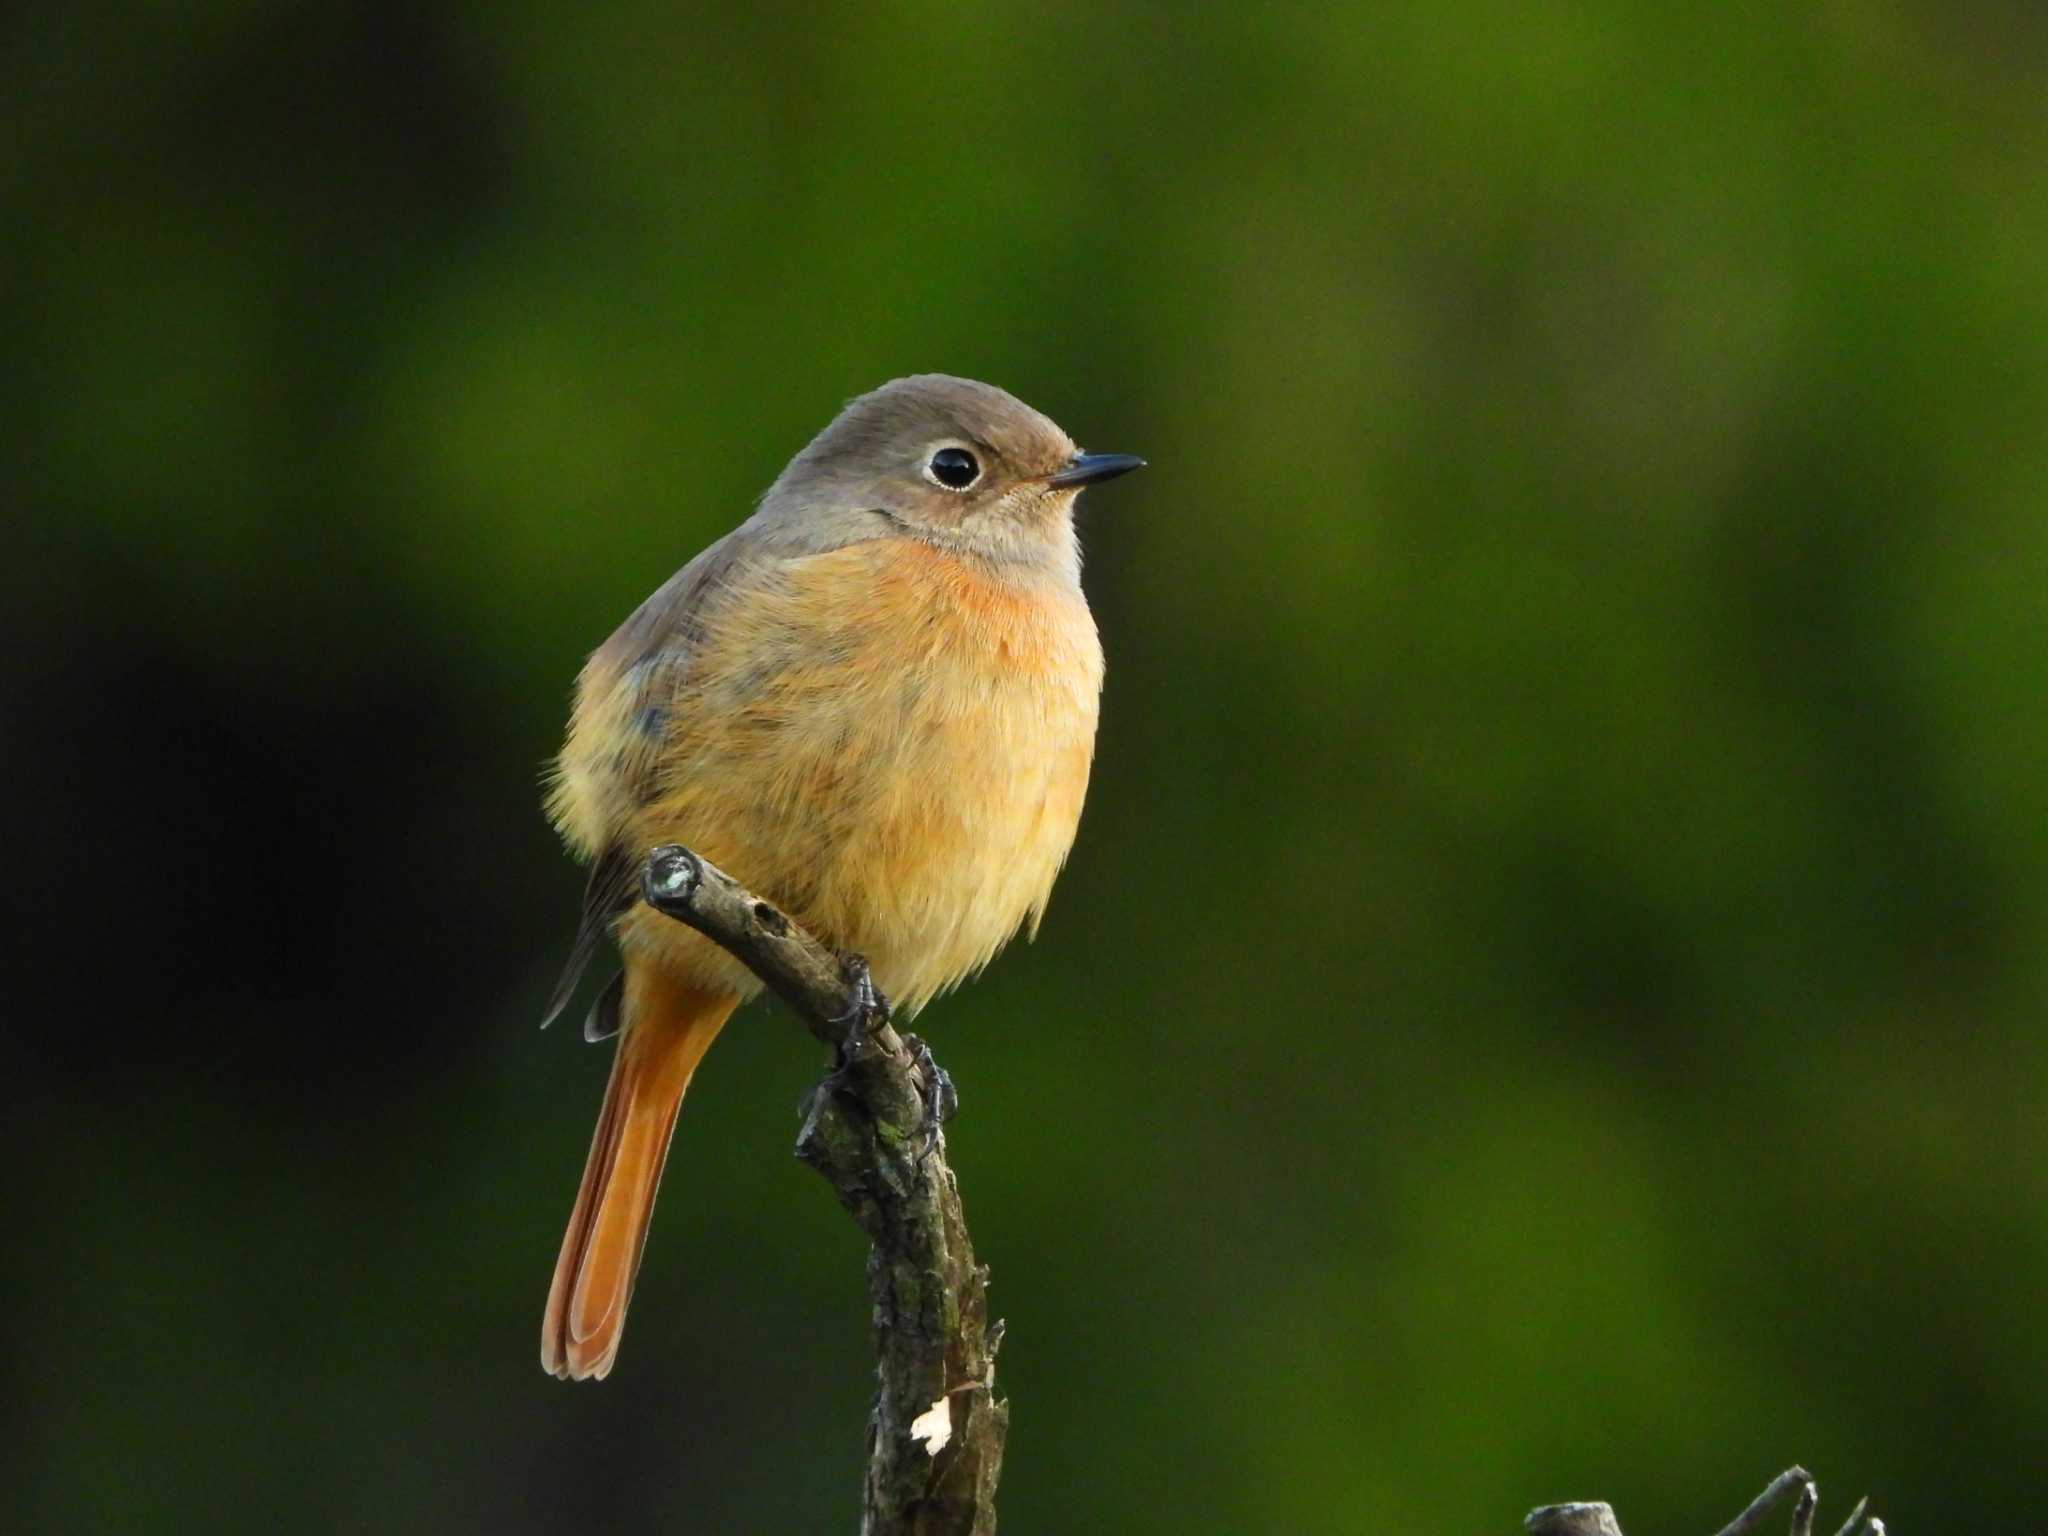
[874,702]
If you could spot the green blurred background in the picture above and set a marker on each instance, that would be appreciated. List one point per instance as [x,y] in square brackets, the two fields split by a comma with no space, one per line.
[1547,1001]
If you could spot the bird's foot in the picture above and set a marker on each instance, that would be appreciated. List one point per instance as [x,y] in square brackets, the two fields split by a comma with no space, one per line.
[941,1098]
[868,1011]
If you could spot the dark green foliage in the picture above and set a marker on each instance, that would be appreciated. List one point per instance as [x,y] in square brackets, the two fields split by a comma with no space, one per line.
[1548,1000]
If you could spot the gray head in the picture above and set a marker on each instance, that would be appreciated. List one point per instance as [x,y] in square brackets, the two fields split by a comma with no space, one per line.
[949,460]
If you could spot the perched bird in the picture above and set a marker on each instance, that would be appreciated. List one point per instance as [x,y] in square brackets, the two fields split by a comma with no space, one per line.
[874,703]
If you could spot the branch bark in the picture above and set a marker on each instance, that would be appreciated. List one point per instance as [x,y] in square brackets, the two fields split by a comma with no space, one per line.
[873,1130]
[1598,1519]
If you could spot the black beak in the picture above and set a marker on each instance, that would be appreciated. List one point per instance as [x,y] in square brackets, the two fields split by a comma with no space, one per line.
[1088,468]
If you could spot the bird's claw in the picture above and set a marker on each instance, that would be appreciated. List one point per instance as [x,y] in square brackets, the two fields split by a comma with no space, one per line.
[941,1098]
[868,1008]
[867,1011]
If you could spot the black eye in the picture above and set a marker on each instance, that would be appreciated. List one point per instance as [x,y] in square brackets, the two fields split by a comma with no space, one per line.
[954,468]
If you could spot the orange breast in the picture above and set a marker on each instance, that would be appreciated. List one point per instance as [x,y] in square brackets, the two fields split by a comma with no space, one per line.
[891,744]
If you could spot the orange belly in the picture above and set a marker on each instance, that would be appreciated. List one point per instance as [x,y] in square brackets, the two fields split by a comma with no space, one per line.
[888,743]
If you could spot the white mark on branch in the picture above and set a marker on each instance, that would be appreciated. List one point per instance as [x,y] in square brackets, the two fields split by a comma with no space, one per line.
[934,1426]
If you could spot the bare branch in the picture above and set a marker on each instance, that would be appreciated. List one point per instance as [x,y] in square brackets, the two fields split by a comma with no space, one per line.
[1598,1519]
[1753,1517]
[1572,1520]
[872,1129]
[1802,1512]
[815,981]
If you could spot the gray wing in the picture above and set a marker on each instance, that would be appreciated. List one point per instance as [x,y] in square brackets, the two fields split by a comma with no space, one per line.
[651,654]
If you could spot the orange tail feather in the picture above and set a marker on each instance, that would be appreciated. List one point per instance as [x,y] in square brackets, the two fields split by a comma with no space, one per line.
[668,1028]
